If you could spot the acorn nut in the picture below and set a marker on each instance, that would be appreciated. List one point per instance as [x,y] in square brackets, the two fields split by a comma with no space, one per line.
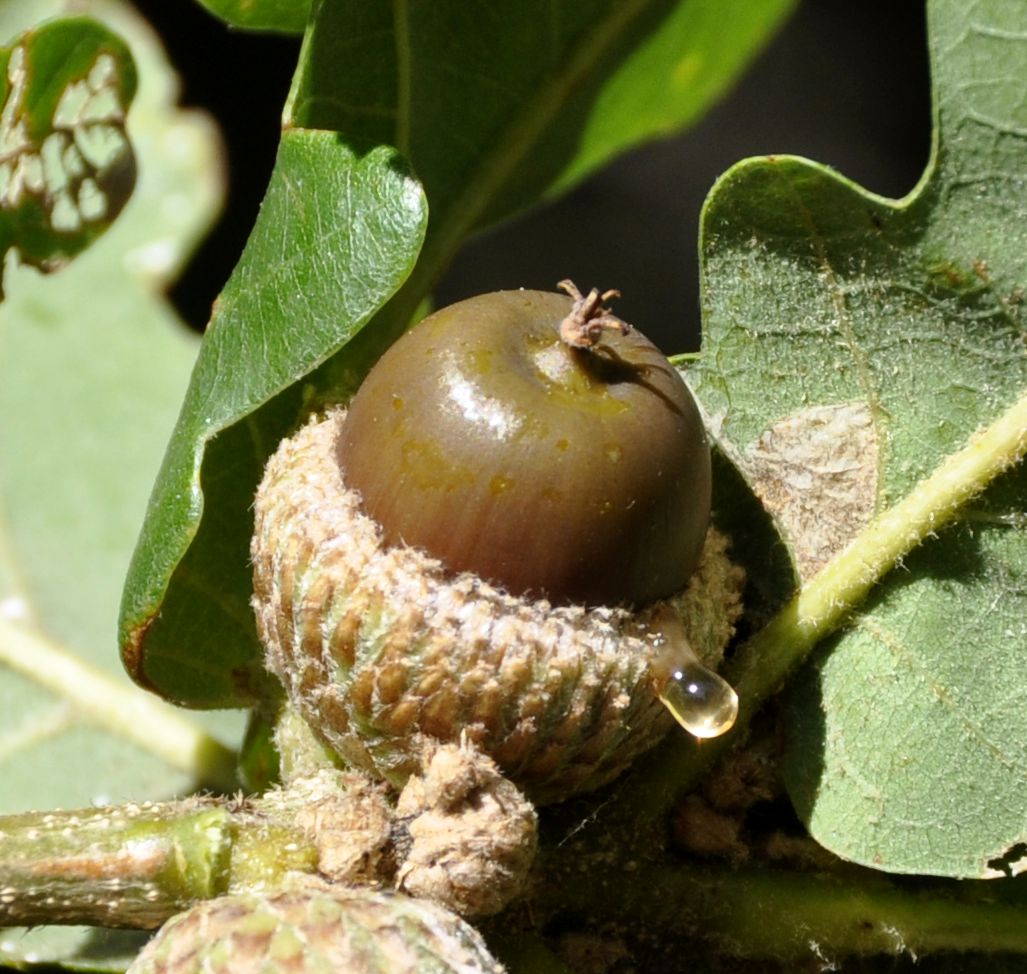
[550,470]
[503,541]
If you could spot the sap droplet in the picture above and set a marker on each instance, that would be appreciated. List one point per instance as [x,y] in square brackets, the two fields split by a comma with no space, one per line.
[702,702]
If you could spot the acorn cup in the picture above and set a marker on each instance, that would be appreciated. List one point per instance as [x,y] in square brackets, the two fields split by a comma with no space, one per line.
[503,541]
[313,930]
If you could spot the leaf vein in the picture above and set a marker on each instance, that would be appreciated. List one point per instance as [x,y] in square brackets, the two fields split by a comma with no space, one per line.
[891,641]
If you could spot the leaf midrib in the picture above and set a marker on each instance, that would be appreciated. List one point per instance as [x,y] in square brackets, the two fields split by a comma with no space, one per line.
[404,69]
[195,752]
[508,151]
[119,708]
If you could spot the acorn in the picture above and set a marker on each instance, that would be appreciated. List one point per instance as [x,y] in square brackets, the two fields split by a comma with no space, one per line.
[554,455]
[504,540]
[315,930]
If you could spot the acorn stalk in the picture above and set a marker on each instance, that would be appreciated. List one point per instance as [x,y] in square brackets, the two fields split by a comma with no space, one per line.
[462,835]
[136,865]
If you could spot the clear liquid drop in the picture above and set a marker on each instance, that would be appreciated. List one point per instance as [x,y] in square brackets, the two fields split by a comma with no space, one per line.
[702,702]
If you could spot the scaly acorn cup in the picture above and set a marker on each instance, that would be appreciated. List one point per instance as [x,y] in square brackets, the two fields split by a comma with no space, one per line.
[504,541]
[316,931]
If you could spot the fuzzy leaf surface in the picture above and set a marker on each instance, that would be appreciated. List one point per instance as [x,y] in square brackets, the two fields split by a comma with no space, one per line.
[66,164]
[852,344]
[93,367]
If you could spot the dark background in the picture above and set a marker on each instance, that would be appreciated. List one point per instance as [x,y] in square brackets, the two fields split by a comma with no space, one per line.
[843,83]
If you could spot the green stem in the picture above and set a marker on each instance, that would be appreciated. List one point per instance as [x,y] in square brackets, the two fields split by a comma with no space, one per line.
[132,866]
[760,667]
[118,707]
[786,916]
[138,865]
[823,604]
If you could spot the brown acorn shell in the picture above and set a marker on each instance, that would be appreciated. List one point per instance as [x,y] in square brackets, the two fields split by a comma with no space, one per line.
[379,648]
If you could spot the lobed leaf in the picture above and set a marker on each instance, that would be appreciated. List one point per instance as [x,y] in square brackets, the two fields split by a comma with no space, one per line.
[66,164]
[852,344]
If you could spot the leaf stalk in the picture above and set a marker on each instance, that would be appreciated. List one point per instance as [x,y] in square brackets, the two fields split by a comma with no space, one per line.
[116,706]
[761,666]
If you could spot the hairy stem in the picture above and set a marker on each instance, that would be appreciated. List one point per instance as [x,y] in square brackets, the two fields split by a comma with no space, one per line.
[118,707]
[760,667]
[138,865]
[132,866]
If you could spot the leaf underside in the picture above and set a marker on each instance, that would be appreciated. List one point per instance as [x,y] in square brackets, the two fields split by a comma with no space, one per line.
[851,344]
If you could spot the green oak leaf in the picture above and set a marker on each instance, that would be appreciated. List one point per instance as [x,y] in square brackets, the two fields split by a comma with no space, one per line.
[66,164]
[337,234]
[285,16]
[852,344]
[93,367]
[488,130]
[496,110]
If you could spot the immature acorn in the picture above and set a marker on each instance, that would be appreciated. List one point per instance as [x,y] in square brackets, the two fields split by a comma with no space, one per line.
[503,540]
[316,931]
